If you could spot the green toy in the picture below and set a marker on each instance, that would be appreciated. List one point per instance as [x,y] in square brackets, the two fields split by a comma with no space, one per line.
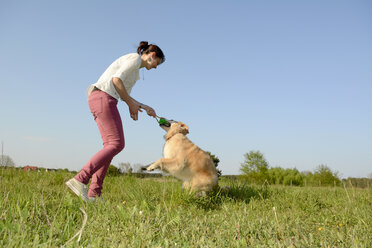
[162,121]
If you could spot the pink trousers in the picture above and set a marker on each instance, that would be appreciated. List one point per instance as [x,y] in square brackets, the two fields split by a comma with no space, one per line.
[107,117]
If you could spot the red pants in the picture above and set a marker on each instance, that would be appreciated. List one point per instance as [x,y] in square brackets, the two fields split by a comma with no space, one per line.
[107,117]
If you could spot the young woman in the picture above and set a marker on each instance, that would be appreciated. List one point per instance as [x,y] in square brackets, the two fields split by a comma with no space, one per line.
[116,82]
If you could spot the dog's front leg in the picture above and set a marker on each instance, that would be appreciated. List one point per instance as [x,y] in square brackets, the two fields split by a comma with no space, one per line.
[162,164]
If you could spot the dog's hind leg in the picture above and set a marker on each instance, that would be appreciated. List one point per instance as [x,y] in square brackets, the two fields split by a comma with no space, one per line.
[204,184]
[186,185]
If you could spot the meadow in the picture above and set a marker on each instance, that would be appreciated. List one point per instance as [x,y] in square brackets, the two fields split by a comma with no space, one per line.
[37,210]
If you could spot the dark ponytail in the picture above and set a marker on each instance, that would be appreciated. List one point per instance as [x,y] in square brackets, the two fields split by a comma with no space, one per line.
[145,48]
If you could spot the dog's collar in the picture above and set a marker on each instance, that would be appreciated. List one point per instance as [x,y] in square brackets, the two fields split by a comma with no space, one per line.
[168,138]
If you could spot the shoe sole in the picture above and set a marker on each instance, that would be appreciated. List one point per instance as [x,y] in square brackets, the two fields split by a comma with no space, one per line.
[94,199]
[75,191]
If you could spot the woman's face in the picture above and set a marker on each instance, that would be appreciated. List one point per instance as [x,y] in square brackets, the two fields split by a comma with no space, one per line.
[152,61]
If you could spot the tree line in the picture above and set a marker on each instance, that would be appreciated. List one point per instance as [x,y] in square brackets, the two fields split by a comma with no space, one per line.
[255,169]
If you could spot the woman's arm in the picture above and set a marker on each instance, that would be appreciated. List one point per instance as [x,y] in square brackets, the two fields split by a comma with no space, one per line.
[150,111]
[133,107]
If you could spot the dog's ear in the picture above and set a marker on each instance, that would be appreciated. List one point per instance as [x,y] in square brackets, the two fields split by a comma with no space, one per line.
[185,128]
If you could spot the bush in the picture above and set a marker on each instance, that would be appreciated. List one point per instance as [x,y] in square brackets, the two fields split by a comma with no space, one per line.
[216,160]
[293,177]
[6,161]
[255,169]
[323,176]
[278,175]
[357,182]
[113,171]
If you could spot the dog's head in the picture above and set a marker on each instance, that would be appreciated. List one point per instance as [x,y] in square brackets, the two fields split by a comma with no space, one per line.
[173,127]
[166,126]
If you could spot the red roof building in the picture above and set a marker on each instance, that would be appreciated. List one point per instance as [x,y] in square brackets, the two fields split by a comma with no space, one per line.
[29,168]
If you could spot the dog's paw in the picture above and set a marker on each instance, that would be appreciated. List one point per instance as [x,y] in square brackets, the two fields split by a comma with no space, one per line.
[151,167]
[201,194]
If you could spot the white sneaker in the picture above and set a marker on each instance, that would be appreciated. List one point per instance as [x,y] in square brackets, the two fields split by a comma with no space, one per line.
[80,189]
[96,199]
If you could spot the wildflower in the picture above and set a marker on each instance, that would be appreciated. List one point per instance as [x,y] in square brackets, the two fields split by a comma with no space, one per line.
[340,225]
[320,228]
[140,212]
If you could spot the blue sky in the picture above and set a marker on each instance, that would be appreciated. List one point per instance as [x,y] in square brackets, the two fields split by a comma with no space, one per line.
[292,79]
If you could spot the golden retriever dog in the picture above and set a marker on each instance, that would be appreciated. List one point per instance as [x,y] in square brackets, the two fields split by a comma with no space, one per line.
[186,161]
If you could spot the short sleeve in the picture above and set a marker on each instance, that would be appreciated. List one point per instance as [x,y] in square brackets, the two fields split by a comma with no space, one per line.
[125,68]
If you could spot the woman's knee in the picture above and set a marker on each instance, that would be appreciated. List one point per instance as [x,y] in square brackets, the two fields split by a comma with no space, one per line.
[117,146]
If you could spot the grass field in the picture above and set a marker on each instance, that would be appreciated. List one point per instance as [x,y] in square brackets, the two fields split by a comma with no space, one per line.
[37,210]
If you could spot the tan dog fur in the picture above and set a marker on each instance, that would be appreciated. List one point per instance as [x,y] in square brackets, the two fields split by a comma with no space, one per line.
[186,161]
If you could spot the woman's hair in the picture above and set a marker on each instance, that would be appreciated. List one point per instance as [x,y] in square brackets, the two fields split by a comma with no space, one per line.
[145,48]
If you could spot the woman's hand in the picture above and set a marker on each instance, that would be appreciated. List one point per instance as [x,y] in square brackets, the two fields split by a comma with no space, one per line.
[133,105]
[150,111]
[133,110]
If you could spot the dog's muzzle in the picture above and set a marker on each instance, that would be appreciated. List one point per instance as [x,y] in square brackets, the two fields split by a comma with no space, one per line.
[168,123]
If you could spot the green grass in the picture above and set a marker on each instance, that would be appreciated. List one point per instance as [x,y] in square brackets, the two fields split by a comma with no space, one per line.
[37,210]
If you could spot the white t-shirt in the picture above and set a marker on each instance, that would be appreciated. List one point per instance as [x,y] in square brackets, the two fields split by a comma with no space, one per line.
[126,68]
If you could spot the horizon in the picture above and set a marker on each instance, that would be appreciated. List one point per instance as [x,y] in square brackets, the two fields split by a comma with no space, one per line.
[158,172]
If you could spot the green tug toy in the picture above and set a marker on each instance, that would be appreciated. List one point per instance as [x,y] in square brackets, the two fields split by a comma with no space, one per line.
[162,121]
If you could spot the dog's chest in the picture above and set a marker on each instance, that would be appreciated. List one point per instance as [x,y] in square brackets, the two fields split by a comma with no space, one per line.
[167,151]
[171,147]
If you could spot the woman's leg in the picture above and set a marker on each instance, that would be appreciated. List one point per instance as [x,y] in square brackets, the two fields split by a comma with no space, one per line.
[114,141]
[107,117]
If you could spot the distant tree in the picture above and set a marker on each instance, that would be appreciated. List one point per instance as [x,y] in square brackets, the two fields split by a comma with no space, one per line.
[255,167]
[125,168]
[324,176]
[293,177]
[357,182]
[278,175]
[306,173]
[7,161]
[216,160]
[113,171]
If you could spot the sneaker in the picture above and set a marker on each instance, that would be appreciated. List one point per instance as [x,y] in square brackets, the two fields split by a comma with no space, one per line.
[80,189]
[96,198]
